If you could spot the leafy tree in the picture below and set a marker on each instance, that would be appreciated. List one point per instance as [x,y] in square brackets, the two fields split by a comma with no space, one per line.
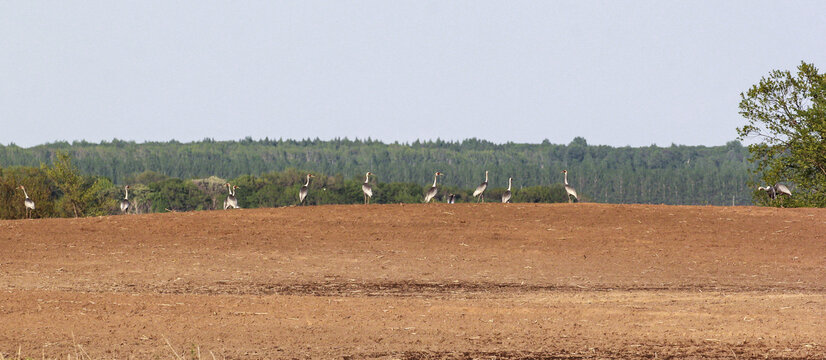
[99,197]
[69,181]
[541,194]
[37,185]
[214,187]
[786,112]
[146,177]
[177,195]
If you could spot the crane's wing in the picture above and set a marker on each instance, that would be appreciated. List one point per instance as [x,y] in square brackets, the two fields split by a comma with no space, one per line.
[302,193]
[782,190]
[430,194]
[480,189]
[368,190]
[571,191]
[506,196]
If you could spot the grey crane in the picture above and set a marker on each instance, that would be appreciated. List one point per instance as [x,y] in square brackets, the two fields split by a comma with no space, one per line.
[302,194]
[569,190]
[480,190]
[29,203]
[506,196]
[367,189]
[774,191]
[231,201]
[124,203]
[433,189]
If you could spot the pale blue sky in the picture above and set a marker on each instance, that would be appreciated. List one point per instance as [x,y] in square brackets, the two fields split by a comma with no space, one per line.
[615,72]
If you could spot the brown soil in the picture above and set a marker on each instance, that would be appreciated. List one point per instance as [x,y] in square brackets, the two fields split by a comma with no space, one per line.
[419,281]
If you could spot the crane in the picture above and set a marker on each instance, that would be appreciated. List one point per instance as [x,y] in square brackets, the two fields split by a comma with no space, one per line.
[433,189]
[774,191]
[506,196]
[302,194]
[367,189]
[124,203]
[480,190]
[231,202]
[29,203]
[569,190]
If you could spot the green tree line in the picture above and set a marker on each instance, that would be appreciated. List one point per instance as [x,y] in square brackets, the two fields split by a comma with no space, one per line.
[670,175]
[60,190]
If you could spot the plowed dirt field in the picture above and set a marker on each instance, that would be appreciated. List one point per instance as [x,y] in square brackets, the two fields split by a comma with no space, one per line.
[487,281]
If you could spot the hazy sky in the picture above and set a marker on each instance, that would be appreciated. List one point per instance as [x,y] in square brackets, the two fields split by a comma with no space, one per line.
[615,72]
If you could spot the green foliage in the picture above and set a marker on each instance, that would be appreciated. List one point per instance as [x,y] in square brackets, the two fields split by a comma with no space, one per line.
[69,181]
[540,194]
[37,185]
[214,188]
[177,195]
[786,112]
[670,175]
[99,198]
[81,195]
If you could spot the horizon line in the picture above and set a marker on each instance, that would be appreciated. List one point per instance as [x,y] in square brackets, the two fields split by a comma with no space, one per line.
[345,139]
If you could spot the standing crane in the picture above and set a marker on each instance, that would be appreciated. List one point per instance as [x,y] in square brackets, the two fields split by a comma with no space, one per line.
[229,193]
[569,190]
[777,189]
[29,203]
[433,189]
[451,198]
[124,203]
[367,189]
[231,201]
[302,194]
[506,196]
[480,190]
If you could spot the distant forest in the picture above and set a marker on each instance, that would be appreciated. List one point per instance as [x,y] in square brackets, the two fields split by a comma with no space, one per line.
[676,174]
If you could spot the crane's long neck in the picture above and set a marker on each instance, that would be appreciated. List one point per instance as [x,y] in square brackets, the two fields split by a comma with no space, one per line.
[510,181]
[25,193]
[127,193]
[367,178]
[308,181]
[486,176]
[566,178]
[435,177]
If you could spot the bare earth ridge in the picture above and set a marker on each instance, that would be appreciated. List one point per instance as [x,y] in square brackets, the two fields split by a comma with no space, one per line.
[512,281]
